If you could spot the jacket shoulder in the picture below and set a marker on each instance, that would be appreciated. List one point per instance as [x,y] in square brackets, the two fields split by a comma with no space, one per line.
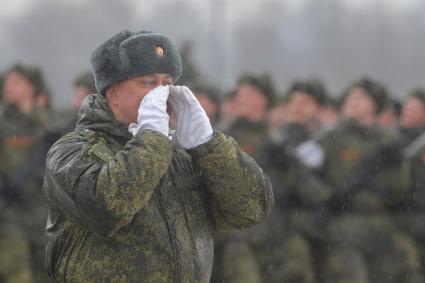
[78,145]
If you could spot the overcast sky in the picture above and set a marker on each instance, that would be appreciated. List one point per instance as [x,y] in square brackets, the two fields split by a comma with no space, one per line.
[337,41]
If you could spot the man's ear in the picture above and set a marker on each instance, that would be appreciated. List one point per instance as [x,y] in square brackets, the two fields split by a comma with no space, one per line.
[112,95]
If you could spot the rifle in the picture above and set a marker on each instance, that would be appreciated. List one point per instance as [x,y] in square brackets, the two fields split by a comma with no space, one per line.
[365,172]
[414,147]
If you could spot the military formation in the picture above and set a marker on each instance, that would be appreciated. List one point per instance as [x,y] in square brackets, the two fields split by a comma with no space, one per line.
[347,173]
[29,126]
[346,176]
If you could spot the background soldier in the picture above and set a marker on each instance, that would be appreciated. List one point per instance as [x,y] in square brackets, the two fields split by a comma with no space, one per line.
[329,113]
[411,212]
[390,115]
[288,250]
[291,245]
[253,97]
[365,244]
[22,129]
[236,260]
[66,121]
[412,122]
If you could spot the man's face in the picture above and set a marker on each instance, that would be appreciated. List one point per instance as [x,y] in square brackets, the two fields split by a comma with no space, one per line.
[388,117]
[17,88]
[329,116]
[413,114]
[124,97]
[301,108]
[250,101]
[228,110]
[278,116]
[80,93]
[358,105]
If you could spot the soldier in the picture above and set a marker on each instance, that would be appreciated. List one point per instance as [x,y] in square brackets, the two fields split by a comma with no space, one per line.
[390,115]
[412,122]
[278,115]
[365,244]
[84,85]
[126,203]
[66,121]
[290,249]
[252,98]
[44,99]
[329,113]
[21,131]
[227,111]
[304,105]
[411,213]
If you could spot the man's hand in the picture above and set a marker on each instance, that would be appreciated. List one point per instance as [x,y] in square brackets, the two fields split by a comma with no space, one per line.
[193,126]
[152,114]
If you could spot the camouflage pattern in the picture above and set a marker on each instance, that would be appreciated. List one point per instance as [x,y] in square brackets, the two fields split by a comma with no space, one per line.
[15,265]
[362,236]
[251,136]
[18,133]
[411,214]
[125,209]
[237,259]
[21,170]
[239,256]
[299,197]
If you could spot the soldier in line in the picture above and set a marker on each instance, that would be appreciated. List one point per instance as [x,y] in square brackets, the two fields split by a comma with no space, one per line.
[278,115]
[287,251]
[390,115]
[84,85]
[126,202]
[254,96]
[411,213]
[363,242]
[329,113]
[412,121]
[22,128]
[66,121]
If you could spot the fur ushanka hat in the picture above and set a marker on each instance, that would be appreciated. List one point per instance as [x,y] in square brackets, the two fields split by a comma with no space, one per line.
[130,54]
[375,90]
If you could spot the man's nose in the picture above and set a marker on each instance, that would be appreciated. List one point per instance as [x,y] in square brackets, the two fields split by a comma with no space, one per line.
[164,82]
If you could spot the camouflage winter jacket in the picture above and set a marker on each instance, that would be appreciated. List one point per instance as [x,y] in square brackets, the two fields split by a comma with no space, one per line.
[135,209]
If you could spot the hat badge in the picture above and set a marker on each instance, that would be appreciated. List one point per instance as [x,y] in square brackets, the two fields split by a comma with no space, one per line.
[160,51]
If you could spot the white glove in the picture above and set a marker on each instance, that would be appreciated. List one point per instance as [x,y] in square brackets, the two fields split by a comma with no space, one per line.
[311,154]
[152,114]
[193,126]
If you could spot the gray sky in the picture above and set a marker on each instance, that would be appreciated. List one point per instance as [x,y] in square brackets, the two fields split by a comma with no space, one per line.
[337,41]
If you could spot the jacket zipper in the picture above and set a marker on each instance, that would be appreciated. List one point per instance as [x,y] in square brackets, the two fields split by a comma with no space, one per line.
[172,240]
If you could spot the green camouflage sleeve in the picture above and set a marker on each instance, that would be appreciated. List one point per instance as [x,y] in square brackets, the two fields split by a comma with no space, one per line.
[104,196]
[241,193]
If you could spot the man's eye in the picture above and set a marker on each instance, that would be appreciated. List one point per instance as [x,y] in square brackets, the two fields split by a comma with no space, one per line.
[148,83]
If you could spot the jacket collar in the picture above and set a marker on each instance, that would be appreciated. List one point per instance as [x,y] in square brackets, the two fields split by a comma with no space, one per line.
[96,115]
